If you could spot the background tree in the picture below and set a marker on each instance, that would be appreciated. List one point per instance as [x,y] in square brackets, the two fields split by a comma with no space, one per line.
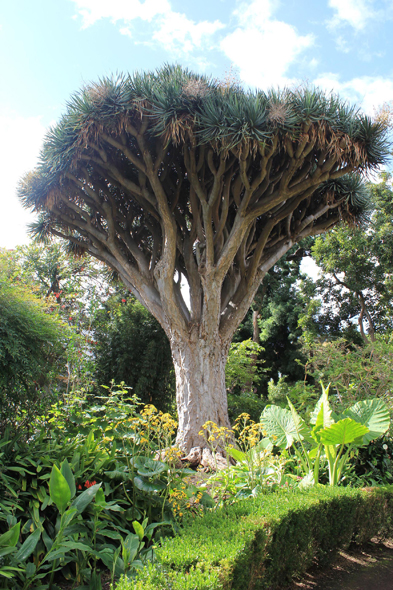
[170,176]
[355,285]
[32,343]
[273,321]
[131,346]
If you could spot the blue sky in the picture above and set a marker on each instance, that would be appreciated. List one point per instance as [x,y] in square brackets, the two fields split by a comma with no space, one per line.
[50,48]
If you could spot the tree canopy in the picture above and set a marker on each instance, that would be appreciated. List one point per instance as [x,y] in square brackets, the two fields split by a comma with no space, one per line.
[175,166]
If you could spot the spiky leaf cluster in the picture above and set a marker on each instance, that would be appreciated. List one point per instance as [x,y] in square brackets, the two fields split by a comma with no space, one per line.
[176,168]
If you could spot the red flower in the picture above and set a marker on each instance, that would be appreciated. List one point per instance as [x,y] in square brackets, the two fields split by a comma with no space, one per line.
[123,300]
[79,487]
[88,483]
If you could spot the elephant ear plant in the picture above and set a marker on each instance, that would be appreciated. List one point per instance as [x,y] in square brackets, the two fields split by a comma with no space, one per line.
[328,436]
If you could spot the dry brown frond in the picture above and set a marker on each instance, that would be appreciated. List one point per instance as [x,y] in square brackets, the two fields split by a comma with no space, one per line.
[178,130]
[52,198]
[98,93]
[277,113]
[195,89]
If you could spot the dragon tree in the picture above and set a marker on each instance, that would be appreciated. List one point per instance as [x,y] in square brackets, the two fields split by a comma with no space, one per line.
[171,179]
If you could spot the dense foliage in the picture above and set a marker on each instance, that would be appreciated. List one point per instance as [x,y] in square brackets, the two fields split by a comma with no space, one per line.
[131,346]
[32,346]
[84,493]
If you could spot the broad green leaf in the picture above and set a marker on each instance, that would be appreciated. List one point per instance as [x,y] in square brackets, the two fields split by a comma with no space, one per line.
[75,545]
[302,429]
[372,413]
[10,538]
[279,425]
[30,569]
[138,528]
[236,454]
[326,417]
[122,474]
[343,432]
[110,534]
[66,471]
[100,498]
[68,516]
[48,542]
[132,544]
[6,551]
[7,571]
[148,467]
[148,486]
[52,556]
[84,499]
[106,555]
[59,489]
[28,546]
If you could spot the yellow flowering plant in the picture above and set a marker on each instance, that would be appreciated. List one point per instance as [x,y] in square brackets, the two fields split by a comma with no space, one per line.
[256,469]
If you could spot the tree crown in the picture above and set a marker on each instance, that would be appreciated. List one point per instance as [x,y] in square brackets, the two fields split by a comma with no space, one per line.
[171,174]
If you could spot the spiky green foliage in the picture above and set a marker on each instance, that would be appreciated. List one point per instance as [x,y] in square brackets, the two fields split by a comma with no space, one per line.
[229,176]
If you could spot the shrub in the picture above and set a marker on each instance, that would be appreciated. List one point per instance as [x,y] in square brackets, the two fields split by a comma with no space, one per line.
[262,543]
[30,348]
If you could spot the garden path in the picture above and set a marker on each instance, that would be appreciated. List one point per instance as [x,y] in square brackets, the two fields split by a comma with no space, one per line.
[369,567]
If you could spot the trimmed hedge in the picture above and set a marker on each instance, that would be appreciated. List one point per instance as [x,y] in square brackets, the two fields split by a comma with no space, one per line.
[262,543]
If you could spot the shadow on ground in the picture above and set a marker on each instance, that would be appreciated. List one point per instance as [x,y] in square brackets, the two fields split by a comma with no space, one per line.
[369,567]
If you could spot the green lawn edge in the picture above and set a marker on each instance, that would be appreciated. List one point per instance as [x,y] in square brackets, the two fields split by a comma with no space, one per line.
[261,543]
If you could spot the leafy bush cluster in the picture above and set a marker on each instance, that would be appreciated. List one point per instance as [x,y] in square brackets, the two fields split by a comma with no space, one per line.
[85,493]
[30,349]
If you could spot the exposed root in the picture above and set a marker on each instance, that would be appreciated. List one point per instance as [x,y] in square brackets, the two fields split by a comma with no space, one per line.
[204,457]
[197,457]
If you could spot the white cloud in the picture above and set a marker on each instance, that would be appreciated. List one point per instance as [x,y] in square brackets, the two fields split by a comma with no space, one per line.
[178,33]
[368,92]
[264,48]
[20,146]
[119,10]
[355,13]
[171,30]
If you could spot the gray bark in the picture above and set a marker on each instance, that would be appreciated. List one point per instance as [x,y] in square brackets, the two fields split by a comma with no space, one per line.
[200,386]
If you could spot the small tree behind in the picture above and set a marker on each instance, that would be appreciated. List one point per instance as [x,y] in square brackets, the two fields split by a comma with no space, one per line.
[31,348]
[170,177]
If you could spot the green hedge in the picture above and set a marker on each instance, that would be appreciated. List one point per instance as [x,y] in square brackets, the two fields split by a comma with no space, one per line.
[262,543]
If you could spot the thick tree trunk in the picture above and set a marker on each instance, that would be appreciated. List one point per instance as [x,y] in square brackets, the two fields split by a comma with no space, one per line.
[200,387]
